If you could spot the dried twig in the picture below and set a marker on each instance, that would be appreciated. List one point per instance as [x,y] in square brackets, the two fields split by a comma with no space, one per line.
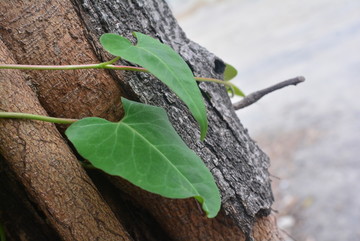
[255,96]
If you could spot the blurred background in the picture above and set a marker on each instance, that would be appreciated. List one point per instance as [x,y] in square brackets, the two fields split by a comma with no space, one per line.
[312,131]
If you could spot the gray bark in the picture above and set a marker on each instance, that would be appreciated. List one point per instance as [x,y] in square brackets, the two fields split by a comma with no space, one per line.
[239,166]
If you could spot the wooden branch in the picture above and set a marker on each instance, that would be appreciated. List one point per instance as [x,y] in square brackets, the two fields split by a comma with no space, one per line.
[240,169]
[257,95]
[50,174]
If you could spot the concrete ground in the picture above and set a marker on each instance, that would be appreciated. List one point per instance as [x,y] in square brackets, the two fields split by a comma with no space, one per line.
[312,131]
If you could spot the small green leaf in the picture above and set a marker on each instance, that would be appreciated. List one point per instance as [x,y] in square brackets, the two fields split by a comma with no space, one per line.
[238,92]
[233,89]
[230,72]
[145,149]
[166,65]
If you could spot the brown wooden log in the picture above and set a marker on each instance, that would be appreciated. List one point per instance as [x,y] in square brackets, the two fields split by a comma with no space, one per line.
[51,175]
[21,218]
[51,33]
[182,219]
[265,228]
[239,166]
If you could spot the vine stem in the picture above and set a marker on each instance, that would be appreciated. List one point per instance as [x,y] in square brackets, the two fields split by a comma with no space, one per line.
[64,67]
[104,65]
[16,115]
[214,80]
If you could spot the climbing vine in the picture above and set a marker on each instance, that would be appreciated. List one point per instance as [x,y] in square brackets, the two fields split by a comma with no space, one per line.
[143,147]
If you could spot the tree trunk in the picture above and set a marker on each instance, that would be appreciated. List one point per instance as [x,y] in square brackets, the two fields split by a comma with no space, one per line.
[46,179]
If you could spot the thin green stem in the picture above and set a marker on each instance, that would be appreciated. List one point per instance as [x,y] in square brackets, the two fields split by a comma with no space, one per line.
[123,67]
[105,65]
[214,80]
[16,115]
[50,67]
[111,61]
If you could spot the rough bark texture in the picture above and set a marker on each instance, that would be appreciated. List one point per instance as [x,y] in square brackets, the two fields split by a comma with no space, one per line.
[44,164]
[264,229]
[49,32]
[17,210]
[52,32]
[237,163]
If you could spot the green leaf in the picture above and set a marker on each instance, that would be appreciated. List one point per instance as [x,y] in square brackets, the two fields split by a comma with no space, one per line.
[230,72]
[235,90]
[166,65]
[238,92]
[145,149]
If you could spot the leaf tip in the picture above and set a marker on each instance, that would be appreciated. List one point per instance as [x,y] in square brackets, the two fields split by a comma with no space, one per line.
[212,206]
[230,72]
[203,135]
[114,43]
[213,213]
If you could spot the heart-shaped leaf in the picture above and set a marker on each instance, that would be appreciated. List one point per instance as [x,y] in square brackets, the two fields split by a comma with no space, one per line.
[167,65]
[145,149]
[230,72]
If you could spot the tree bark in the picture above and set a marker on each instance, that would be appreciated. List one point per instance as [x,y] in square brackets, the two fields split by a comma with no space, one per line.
[64,32]
[43,163]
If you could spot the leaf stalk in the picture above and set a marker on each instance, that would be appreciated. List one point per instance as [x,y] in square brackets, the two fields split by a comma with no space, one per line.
[104,65]
[16,115]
